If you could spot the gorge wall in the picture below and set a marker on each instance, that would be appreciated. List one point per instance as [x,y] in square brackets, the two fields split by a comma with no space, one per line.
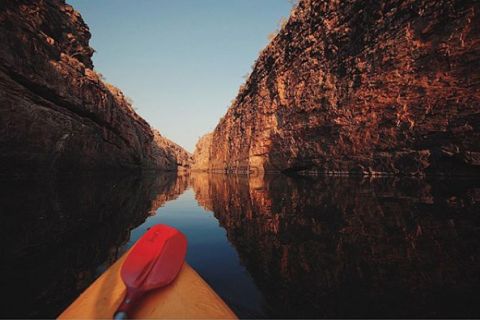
[168,154]
[56,112]
[201,156]
[362,87]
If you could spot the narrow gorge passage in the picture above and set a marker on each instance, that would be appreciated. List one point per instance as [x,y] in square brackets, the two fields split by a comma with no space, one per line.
[321,157]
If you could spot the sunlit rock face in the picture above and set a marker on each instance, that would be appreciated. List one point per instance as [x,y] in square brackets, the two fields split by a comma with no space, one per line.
[336,247]
[361,87]
[201,156]
[56,113]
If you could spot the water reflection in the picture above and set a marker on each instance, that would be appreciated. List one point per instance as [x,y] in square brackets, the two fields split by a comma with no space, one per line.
[59,234]
[333,247]
[270,247]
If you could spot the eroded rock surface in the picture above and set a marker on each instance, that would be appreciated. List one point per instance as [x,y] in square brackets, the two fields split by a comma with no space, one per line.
[201,156]
[170,155]
[361,87]
[56,113]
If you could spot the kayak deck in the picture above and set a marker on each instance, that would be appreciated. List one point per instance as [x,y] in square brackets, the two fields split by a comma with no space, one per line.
[187,297]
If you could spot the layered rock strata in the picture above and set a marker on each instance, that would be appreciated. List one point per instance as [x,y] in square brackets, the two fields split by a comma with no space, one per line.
[170,155]
[201,156]
[56,112]
[362,87]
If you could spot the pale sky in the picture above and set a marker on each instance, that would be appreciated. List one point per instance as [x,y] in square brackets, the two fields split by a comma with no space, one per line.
[180,61]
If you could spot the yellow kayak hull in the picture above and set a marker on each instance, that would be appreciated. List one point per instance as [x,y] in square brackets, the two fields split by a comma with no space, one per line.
[187,297]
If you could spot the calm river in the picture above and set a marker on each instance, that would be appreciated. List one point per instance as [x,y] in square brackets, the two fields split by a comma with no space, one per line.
[322,247]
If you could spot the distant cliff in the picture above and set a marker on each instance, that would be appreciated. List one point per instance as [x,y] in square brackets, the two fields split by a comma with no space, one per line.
[361,87]
[170,155]
[201,156]
[56,113]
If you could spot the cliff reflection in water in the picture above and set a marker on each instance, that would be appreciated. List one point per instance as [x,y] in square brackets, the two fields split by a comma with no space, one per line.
[58,235]
[311,247]
[337,247]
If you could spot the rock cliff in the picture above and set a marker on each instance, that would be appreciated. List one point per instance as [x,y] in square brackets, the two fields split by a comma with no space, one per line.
[170,155]
[56,112]
[362,87]
[201,156]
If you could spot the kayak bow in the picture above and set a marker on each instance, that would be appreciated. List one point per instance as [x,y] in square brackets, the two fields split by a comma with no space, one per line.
[186,296]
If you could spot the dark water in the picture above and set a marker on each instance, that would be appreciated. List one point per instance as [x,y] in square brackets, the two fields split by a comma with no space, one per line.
[271,247]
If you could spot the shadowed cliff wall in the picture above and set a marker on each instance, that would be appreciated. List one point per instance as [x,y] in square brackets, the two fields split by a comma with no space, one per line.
[56,113]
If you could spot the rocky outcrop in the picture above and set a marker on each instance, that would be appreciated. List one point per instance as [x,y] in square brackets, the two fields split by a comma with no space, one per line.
[56,113]
[361,87]
[201,156]
[170,155]
[334,247]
